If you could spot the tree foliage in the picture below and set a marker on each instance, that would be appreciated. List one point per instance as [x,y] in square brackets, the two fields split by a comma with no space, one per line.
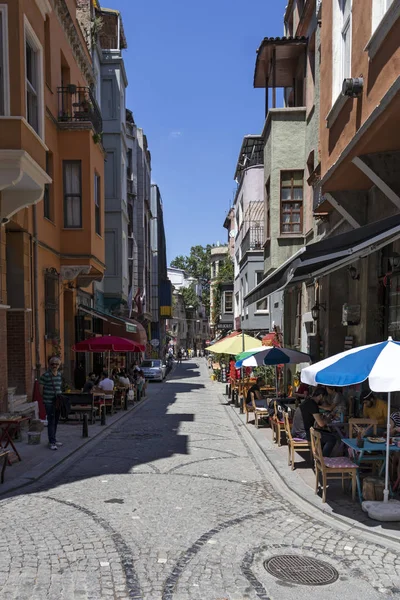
[197,265]
[189,297]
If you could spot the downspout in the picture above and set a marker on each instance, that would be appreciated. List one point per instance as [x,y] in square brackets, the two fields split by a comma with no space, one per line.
[36,292]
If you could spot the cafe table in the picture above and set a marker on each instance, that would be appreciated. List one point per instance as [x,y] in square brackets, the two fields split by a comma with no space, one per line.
[359,453]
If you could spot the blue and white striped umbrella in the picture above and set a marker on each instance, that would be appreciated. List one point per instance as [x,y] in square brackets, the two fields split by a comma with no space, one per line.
[379,363]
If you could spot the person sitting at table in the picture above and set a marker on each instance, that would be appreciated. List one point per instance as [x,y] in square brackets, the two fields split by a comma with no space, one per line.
[90,383]
[307,414]
[255,390]
[374,408]
[336,404]
[395,422]
[123,379]
[106,385]
[303,391]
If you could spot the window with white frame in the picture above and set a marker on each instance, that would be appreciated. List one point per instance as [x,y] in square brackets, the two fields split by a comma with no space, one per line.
[246,291]
[4,76]
[228,302]
[341,44]
[346,37]
[262,306]
[379,9]
[33,80]
[97,202]
[72,176]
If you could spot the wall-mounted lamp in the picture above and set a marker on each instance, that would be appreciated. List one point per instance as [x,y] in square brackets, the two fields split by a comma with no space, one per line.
[316,308]
[353,273]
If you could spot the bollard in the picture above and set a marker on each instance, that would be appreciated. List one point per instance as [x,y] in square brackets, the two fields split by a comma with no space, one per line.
[126,401]
[139,393]
[241,405]
[227,390]
[102,414]
[85,429]
[237,399]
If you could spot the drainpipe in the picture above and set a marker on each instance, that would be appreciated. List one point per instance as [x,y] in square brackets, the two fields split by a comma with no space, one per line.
[36,292]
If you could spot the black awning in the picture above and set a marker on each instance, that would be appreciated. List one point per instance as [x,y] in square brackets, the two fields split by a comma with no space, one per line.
[326,256]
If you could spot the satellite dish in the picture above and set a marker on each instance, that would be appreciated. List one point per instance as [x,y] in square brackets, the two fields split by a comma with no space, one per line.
[232,233]
[155,343]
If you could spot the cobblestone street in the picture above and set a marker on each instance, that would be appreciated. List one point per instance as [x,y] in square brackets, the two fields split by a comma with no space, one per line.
[175,503]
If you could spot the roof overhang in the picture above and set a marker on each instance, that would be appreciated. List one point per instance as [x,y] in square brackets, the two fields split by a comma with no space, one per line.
[287,51]
[324,257]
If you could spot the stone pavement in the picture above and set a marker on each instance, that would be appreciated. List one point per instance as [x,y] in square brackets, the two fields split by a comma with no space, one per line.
[176,501]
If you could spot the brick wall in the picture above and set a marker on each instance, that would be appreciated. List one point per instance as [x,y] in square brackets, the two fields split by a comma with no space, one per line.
[19,355]
[3,360]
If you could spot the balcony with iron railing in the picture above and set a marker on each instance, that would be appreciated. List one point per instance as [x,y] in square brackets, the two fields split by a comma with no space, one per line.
[254,238]
[78,107]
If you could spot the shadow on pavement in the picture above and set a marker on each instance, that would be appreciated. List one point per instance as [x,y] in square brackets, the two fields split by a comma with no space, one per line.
[147,435]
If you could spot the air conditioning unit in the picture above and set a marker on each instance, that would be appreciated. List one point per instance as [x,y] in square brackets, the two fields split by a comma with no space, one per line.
[353,87]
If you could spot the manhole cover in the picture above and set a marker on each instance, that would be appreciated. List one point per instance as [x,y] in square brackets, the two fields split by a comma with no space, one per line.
[301,569]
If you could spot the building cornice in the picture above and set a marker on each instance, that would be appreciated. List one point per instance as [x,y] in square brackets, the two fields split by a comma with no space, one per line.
[78,50]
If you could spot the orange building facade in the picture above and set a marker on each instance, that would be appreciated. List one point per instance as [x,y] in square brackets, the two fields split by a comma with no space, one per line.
[51,187]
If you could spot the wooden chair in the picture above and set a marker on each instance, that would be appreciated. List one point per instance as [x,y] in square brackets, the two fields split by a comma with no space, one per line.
[339,467]
[278,425]
[260,412]
[3,455]
[294,444]
[362,426]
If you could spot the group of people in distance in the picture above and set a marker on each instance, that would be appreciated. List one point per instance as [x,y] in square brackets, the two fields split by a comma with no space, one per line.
[327,405]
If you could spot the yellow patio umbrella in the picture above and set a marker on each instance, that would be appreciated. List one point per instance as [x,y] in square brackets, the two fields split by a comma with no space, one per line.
[234,345]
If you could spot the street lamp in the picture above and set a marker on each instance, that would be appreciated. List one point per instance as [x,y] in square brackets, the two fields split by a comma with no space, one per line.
[316,310]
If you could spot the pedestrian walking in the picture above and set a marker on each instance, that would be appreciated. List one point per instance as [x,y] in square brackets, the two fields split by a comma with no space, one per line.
[50,388]
[179,357]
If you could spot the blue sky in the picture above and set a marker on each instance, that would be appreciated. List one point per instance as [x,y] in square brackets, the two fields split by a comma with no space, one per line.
[190,68]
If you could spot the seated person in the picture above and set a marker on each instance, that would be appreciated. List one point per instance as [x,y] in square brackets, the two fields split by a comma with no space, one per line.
[303,391]
[336,404]
[395,423]
[106,385]
[307,414]
[123,379]
[255,390]
[90,383]
[374,408]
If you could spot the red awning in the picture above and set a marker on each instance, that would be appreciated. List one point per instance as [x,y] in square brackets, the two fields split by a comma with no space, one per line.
[108,343]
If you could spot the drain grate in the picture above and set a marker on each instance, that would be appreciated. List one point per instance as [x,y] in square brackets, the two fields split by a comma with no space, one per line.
[301,569]
[114,501]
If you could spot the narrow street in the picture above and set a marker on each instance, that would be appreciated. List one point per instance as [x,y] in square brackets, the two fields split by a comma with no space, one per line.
[174,503]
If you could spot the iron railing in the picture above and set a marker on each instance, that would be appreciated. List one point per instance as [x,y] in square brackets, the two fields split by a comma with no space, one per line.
[253,239]
[78,105]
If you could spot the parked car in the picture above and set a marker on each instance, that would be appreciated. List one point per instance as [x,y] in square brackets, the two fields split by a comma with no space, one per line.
[154,369]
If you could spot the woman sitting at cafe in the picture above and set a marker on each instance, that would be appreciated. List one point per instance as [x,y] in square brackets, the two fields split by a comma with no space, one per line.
[307,414]
[336,404]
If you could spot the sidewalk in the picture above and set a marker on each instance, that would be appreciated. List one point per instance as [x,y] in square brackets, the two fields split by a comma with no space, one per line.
[38,460]
[301,481]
